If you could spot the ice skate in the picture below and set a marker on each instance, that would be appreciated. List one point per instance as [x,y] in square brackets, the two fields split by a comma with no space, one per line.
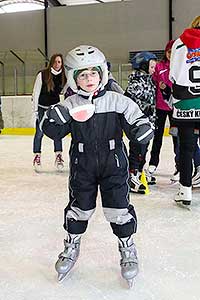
[59,161]
[37,162]
[184,196]
[149,175]
[68,257]
[175,177]
[196,178]
[129,261]
[135,184]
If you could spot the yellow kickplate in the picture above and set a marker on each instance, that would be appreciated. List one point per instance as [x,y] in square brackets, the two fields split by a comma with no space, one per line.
[18,131]
[31,131]
[166,132]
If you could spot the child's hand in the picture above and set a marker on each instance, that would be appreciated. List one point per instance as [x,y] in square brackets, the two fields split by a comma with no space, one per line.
[173,131]
[58,113]
[142,134]
[162,85]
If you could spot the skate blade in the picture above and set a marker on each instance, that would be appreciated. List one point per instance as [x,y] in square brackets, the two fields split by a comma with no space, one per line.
[61,277]
[195,186]
[37,169]
[181,205]
[151,183]
[174,181]
[59,168]
[138,192]
[130,283]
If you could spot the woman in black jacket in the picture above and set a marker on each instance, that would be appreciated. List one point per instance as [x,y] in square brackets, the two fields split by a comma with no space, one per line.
[47,88]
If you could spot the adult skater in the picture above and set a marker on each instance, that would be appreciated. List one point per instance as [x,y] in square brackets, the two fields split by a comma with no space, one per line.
[185,75]
[47,88]
[96,119]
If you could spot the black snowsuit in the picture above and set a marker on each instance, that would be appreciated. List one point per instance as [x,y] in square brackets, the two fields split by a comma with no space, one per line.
[98,158]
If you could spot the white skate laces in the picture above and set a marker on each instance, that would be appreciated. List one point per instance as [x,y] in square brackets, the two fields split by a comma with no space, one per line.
[129,260]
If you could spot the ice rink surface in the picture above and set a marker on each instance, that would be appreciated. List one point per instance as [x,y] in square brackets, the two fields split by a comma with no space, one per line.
[31,235]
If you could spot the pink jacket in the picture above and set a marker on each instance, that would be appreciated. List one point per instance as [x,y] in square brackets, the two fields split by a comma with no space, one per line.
[161,74]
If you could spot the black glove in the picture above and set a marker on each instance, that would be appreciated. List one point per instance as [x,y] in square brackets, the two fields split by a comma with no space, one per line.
[58,114]
[142,134]
[166,93]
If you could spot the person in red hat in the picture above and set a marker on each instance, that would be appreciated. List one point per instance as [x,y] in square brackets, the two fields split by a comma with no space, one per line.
[163,109]
[185,75]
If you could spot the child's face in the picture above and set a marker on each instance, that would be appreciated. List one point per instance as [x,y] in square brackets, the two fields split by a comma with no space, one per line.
[152,65]
[168,54]
[88,80]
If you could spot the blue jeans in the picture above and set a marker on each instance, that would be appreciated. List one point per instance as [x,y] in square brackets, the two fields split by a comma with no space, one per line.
[37,142]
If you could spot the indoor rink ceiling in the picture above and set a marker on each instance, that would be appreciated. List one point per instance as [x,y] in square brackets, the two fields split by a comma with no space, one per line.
[7,6]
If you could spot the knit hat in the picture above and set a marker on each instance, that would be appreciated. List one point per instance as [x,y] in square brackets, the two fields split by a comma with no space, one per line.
[169,45]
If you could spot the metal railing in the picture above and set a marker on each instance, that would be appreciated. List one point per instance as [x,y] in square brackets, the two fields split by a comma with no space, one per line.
[18,70]
[120,72]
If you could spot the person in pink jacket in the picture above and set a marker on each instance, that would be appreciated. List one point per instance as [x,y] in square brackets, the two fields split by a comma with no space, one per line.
[163,109]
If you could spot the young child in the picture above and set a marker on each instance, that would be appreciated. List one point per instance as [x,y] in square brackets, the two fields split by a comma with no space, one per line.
[163,110]
[95,118]
[112,84]
[141,90]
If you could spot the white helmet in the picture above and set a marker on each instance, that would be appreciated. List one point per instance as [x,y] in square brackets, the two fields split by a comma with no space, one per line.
[84,57]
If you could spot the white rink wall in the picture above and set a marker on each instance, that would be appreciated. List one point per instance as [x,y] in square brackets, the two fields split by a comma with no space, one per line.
[17,111]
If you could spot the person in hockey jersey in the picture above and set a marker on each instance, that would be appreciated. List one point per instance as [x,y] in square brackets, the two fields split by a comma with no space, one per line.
[185,75]
[96,119]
